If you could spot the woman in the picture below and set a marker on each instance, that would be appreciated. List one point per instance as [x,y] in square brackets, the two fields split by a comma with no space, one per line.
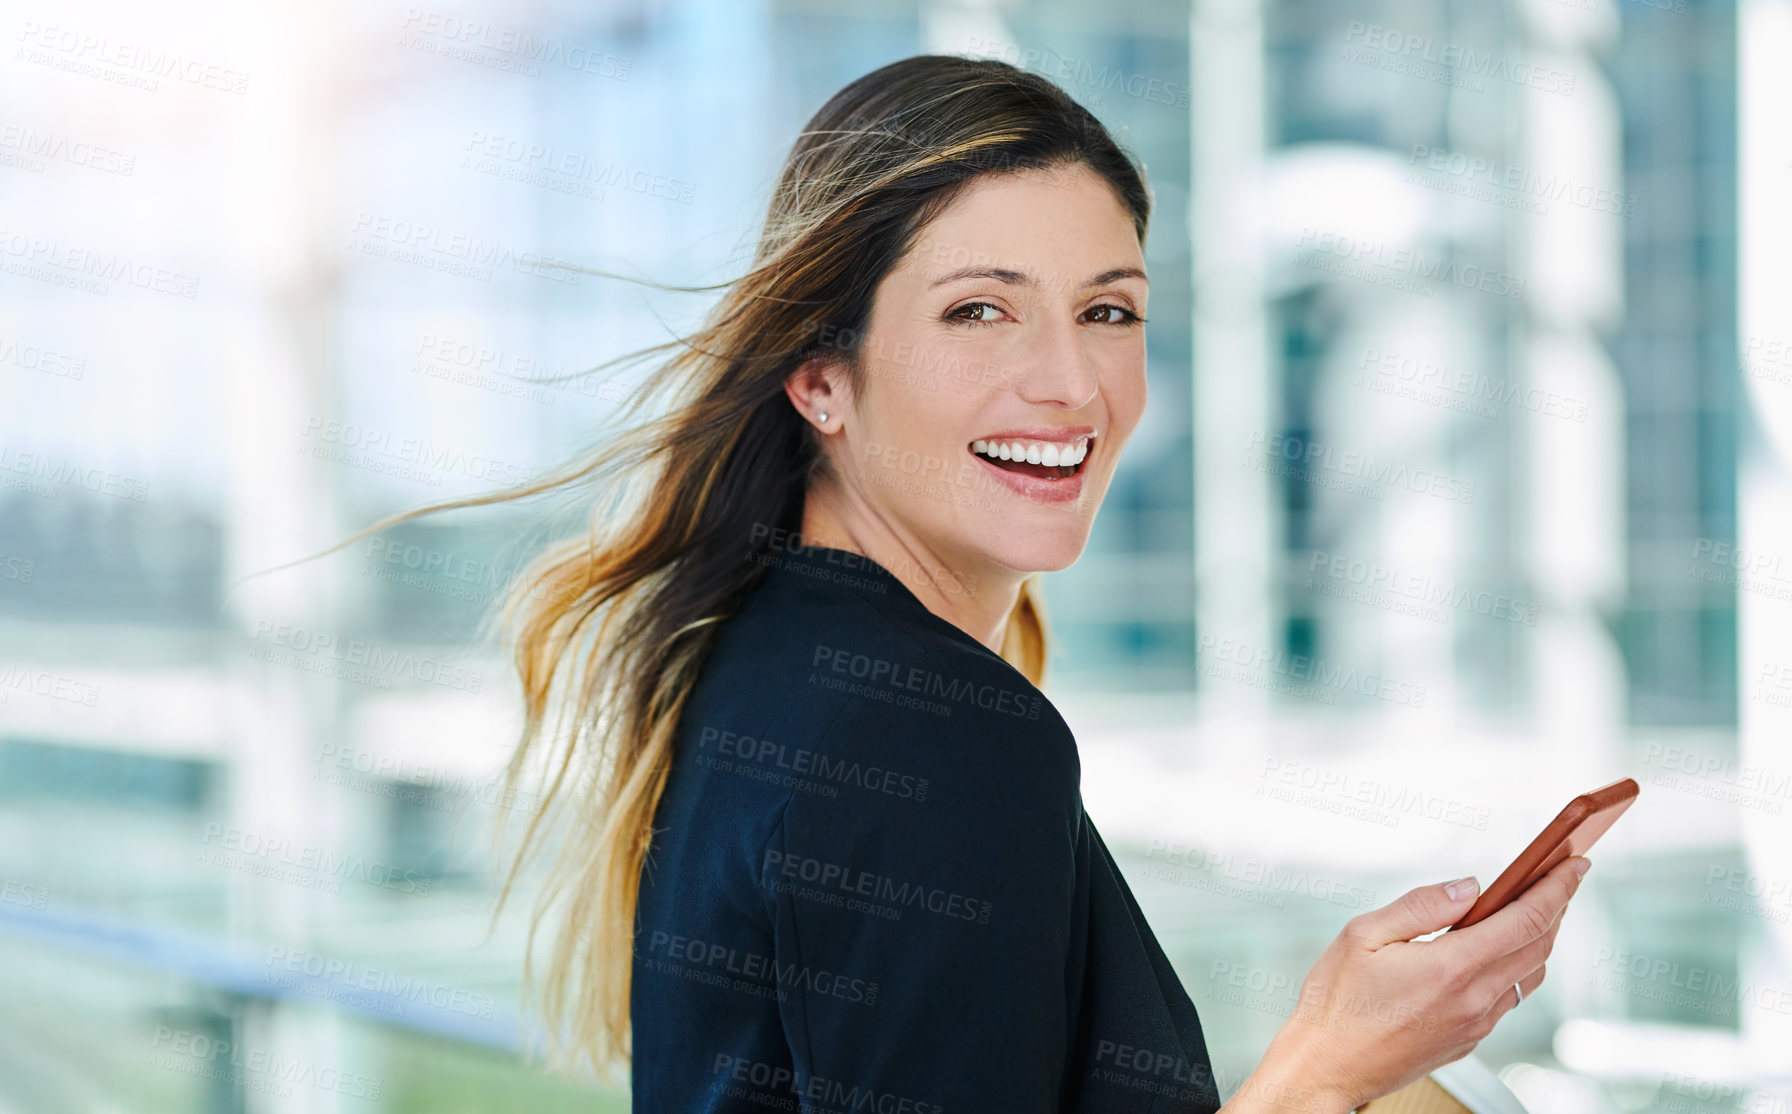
[832,853]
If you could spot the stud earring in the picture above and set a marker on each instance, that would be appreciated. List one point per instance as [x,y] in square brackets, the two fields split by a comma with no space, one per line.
[822,417]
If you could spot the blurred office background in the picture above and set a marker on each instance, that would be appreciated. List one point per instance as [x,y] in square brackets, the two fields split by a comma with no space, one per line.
[1464,488]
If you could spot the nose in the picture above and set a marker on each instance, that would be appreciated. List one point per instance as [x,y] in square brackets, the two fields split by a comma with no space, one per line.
[1059,371]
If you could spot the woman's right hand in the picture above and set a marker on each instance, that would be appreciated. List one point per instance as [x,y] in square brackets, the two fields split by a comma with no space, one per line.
[1381,1009]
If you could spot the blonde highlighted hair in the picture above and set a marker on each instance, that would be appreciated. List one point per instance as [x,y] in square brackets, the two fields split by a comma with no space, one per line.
[609,631]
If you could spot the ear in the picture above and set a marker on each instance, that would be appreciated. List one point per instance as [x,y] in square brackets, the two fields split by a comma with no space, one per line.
[817,387]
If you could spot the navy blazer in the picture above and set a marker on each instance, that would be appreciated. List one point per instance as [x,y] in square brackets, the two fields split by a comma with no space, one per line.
[872,885]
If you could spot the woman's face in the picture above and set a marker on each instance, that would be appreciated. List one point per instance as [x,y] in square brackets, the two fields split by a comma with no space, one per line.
[1014,329]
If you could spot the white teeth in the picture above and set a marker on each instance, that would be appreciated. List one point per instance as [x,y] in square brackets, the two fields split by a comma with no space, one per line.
[1049,453]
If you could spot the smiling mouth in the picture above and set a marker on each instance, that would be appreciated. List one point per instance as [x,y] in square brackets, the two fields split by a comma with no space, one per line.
[1045,460]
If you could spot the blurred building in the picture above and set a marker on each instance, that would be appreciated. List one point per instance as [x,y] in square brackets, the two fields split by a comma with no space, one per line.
[1430,519]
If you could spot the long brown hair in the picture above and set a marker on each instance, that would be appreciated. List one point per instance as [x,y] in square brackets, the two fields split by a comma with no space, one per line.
[611,629]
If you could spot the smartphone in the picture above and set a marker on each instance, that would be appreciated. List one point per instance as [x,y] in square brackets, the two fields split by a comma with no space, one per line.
[1571,833]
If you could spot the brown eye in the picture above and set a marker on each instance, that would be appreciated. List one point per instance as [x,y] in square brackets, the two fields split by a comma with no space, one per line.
[975,317]
[1116,315]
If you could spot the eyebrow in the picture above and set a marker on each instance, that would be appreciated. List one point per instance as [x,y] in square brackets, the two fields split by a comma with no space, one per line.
[1020,278]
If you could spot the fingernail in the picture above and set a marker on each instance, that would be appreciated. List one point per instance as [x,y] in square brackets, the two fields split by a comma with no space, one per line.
[1582,864]
[1462,888]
